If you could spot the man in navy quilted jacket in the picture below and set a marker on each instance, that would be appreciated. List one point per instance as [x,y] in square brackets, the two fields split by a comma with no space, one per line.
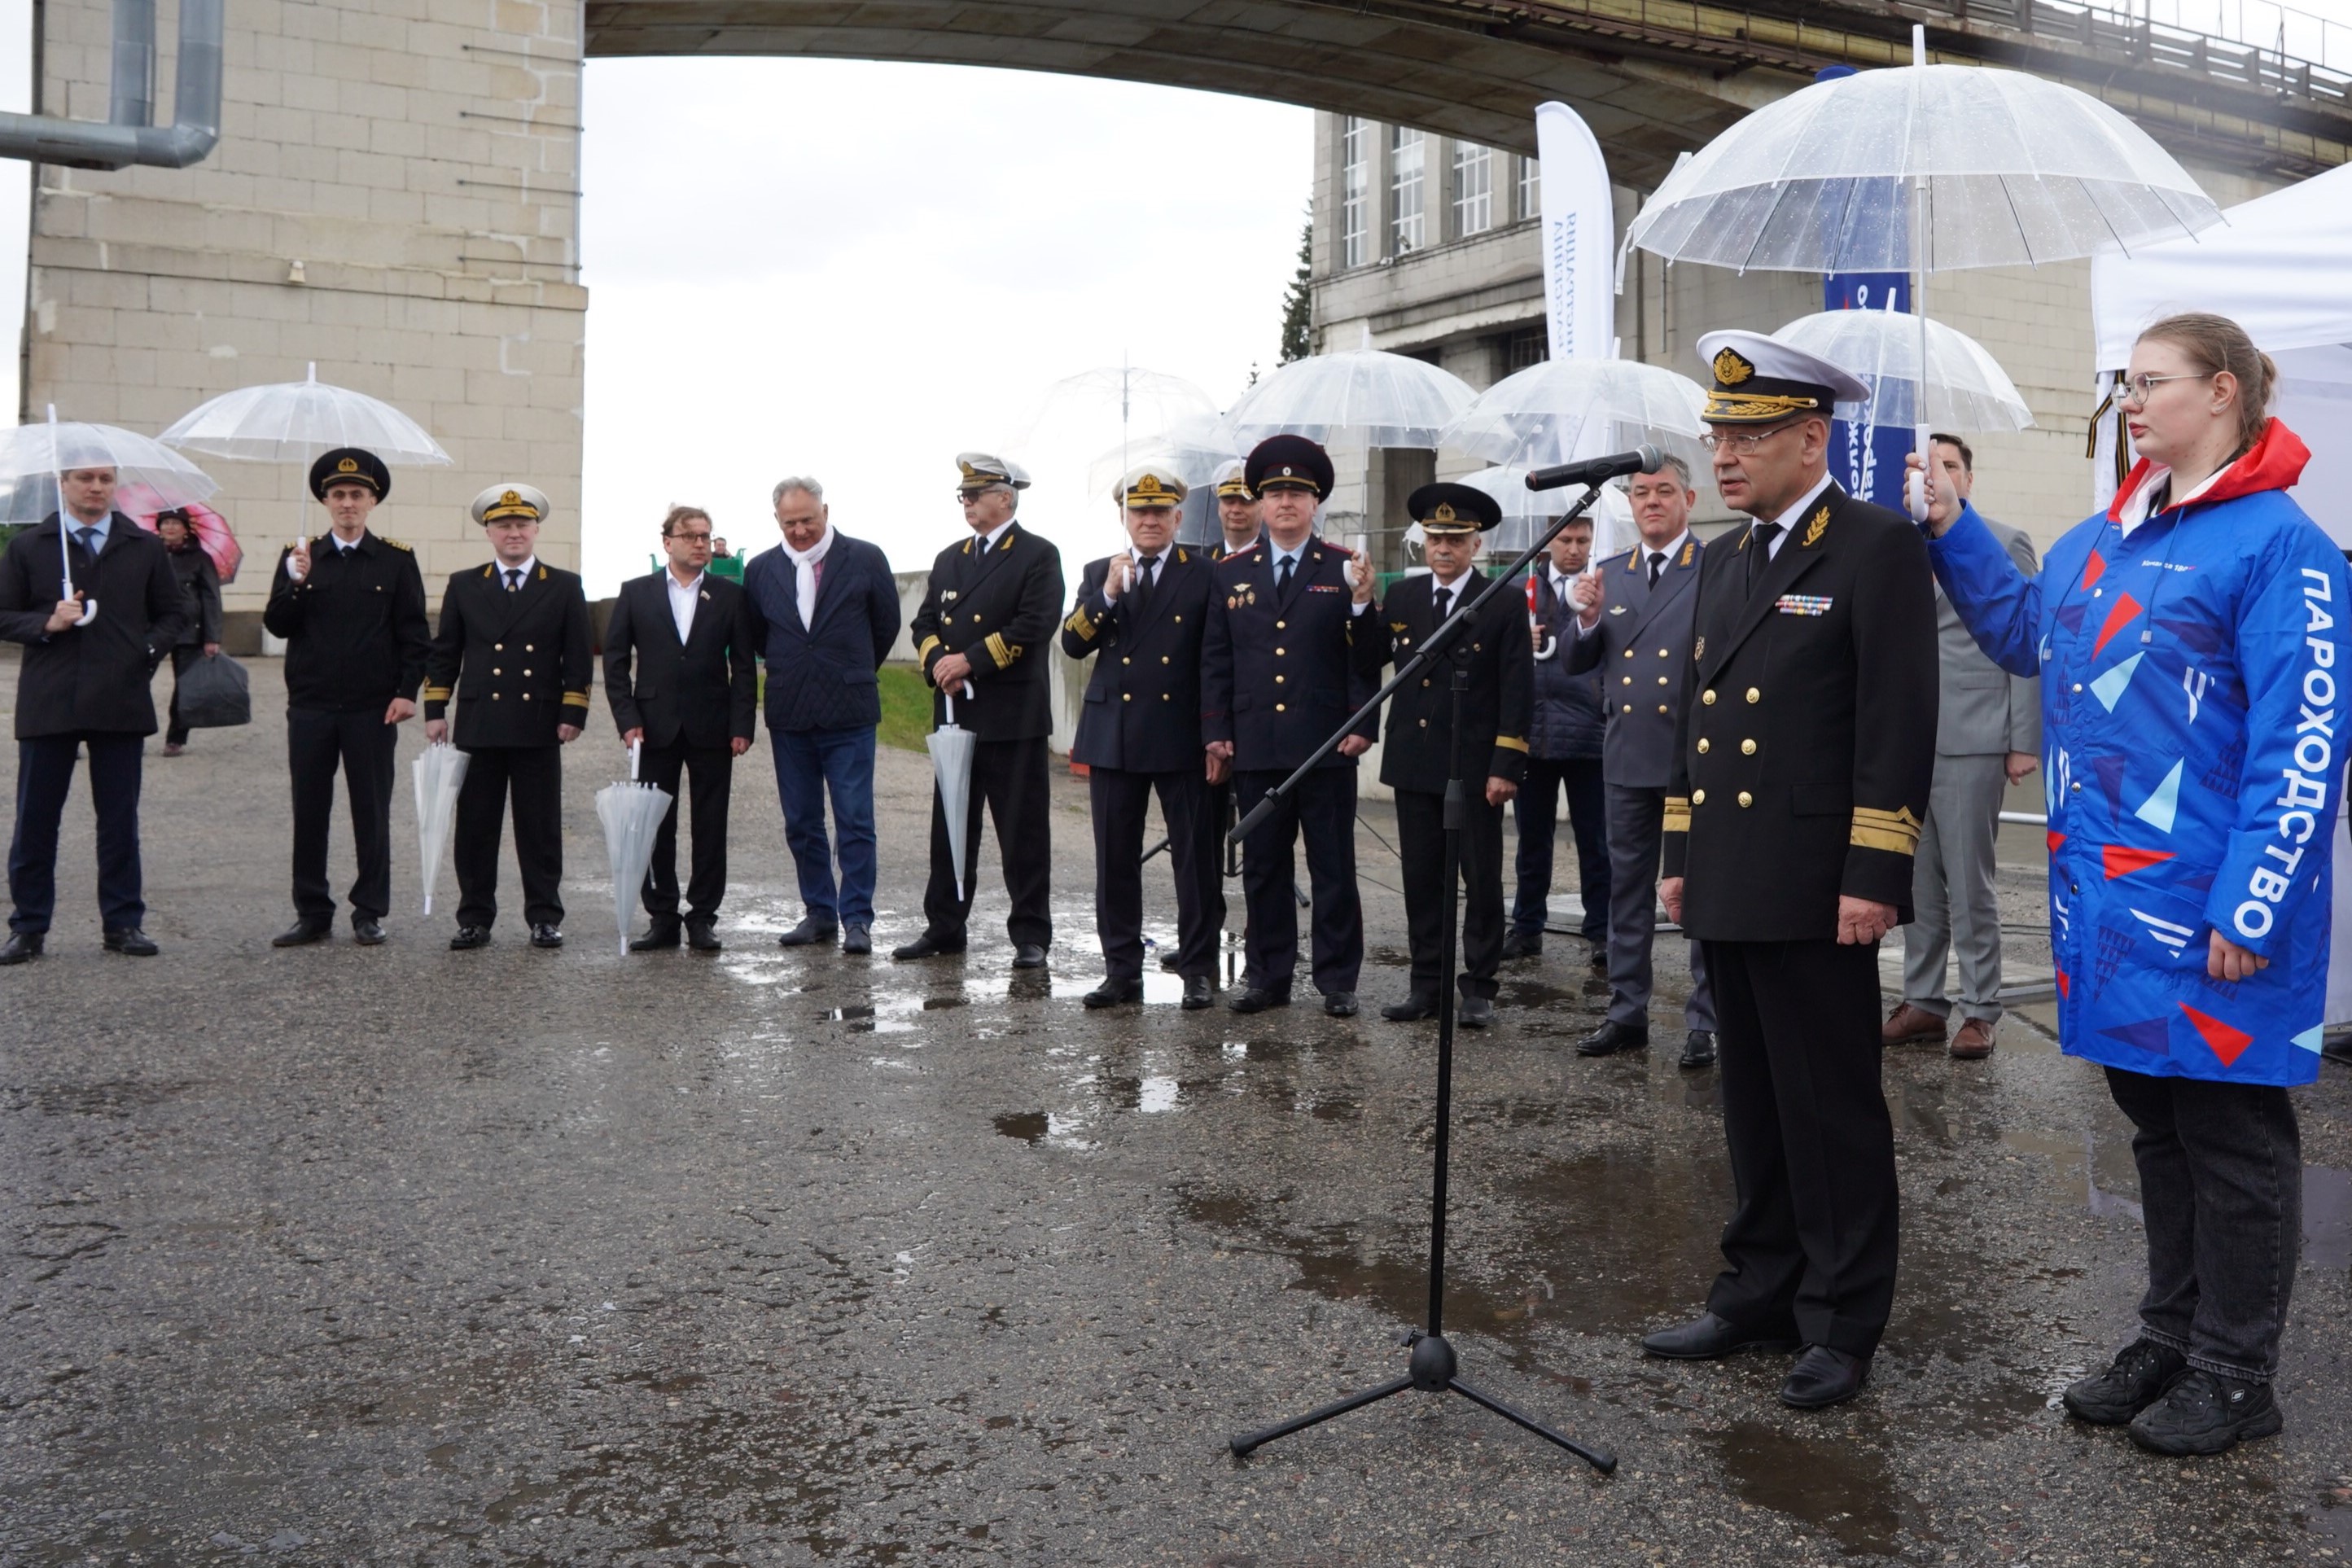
[828,609]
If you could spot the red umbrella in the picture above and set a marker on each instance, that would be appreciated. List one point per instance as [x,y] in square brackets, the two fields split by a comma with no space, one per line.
[141,505]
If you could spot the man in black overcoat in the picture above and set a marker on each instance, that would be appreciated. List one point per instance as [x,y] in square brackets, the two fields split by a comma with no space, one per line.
[993,599]
[83,688]
[1141,614]
[1419,757]
[1804,748]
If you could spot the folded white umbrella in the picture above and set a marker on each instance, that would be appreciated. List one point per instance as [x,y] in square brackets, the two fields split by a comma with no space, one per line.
[1364,397]
[1966,390]
[294,421]
[438,773]
[632,814]
[950,746]
[1561,410]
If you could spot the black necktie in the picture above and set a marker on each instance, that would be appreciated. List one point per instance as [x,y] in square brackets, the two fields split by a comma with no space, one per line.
[514,579]
[1282,575]
[1759,549]
[1658,564]
[1143,574]
[88,537]
[1445,604]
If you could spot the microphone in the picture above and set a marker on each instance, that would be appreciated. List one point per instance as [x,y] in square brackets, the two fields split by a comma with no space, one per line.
[1593,470]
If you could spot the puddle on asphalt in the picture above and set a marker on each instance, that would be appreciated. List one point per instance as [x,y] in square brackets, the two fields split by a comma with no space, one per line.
[1029,1126]
[2086,1171]
[1835,1485]
[2327,1229]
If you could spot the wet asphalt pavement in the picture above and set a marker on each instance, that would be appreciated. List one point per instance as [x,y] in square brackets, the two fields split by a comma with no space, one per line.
[405,1256]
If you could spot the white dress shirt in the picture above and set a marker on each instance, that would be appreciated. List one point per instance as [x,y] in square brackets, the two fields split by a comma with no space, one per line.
[1789,519]
[682,597]
[1276,555]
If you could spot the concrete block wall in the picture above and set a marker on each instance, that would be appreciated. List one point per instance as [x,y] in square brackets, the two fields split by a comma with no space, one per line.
[420,161]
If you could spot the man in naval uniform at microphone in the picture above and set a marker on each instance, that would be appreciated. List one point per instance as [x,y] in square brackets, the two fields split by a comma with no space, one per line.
[1803,755]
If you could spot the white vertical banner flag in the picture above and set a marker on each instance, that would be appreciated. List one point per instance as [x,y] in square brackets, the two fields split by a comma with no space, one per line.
[1580,248]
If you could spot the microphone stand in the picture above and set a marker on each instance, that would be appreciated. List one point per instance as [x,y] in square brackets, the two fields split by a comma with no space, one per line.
[1432,1366]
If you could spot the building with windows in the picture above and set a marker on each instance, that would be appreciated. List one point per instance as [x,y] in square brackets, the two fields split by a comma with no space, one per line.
[1428,246]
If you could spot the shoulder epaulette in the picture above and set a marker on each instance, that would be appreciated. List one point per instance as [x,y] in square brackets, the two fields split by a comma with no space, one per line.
[395,543]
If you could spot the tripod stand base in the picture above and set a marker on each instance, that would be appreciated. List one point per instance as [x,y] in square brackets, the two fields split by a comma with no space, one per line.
[1431,1371]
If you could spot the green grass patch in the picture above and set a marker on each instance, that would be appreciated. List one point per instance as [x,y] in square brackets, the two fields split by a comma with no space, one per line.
[906,708]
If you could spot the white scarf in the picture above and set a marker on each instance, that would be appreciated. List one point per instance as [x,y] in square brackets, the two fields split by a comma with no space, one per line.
[805,573]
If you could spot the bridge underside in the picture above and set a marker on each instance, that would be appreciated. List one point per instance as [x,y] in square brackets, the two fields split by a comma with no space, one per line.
[1653,78]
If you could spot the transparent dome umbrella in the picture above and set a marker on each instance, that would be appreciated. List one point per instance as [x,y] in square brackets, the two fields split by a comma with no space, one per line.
[632,814]
[35,459]
[1192,448]
[295,421]
[1966,390]
[1542,414]
[1920,169]
[438,771]
[1527,513]
[1060,440]
[1364,397]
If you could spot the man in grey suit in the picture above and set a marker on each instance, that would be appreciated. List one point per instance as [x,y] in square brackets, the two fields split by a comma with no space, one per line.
[1633,624]
[1987,736]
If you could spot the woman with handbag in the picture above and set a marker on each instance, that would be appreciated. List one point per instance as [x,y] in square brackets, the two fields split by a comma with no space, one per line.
[200,586]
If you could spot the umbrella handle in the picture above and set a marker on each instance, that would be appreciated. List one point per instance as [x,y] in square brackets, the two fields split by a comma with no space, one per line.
[946,707]
[636,753]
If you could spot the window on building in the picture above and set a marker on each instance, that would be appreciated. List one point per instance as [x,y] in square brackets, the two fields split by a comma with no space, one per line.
[1530,189]
[1355,191]
[1473,188]
[1406,148]
[1520,348]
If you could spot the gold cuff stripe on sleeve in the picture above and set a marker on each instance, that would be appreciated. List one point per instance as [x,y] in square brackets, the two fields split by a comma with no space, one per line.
[1511,743]
[1898,832]
[1080,623]
[924,651]
[1677,816]
[575,699]
[436,694]
[1000,652]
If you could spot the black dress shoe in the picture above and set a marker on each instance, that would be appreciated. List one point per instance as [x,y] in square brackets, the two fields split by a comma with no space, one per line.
[131,943]
[1028,955]
[1475,1013]
[810,933]
[302,933]
[926,946]
[2135,1380]
[1339,1003]
[1698,1051]
[1169,961]
[368,932]
[661,933]
[1114,994]
[1599,957]
[1253,999]
[701,936]
[1612,1037]
[1420,1005]
[2205,1413]
[546,936]
[1710,1338]
[1523,944]
[855,938]
[1198,993]
[22,947]
[469,937]
[1824,1377]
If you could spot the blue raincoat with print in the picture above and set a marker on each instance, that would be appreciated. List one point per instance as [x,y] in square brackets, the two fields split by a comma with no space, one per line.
[2196,703]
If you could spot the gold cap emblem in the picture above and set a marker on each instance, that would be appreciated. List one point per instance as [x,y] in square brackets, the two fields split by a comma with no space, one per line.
[1730,369]
[1445,512]
[512,498]
[348,465]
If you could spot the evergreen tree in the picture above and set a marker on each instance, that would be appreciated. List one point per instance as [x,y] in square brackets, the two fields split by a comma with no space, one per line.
[1297,339]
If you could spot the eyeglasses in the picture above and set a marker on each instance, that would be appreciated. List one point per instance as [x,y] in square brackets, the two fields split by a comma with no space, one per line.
[691,538]
[2134,392]
[1742,442]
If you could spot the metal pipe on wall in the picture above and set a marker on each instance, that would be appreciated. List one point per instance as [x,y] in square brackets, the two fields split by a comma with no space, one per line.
[195,101]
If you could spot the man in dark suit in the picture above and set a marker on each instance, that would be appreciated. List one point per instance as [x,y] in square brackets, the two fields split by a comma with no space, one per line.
[827,614]
[1563,757]
[687,701]
[1419,760]
[513,648]
[1237,518]
[992,601]
[351,606]
[1801,774]
[83,685]
[1635,626]
[1281,671]
[1139,615]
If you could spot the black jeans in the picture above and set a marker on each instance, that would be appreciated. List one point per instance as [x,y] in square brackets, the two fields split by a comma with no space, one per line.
[1537,810]
[2221,1185]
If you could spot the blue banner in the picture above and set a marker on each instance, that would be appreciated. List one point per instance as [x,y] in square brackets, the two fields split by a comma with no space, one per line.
[1868,462]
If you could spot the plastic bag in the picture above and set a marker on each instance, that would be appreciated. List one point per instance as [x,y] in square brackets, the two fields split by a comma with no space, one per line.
[214,694]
